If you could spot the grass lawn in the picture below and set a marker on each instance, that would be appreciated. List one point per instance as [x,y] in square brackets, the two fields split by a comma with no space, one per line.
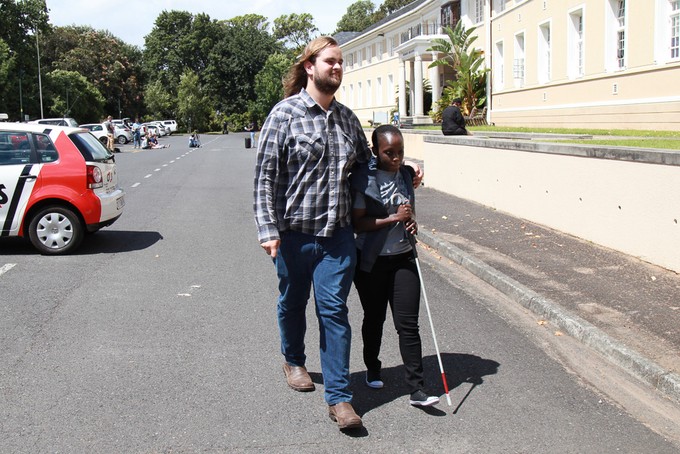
[668,140]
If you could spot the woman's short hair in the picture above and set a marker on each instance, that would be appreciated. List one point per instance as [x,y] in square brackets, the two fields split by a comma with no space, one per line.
[384,130]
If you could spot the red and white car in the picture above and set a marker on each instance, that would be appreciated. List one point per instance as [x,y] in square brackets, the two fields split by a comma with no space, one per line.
[56,184]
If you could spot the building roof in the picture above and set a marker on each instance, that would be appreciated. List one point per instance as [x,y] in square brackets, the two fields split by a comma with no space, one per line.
[344,37]
[400,12]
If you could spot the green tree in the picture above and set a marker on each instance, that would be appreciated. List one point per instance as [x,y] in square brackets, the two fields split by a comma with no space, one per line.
[235,61]
[177,42]
[6,63]
[159,103]
[70,94]
[294,30]
[388,7]
[467,63]
[358,17]
[459,41]
[19,22]
[107,62]
[362,14]
[268,85]
[193,108]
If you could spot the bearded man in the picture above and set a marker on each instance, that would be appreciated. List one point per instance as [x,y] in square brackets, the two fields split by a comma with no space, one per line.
[308,145]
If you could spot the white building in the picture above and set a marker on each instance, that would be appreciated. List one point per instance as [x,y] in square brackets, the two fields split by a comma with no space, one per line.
[562,63]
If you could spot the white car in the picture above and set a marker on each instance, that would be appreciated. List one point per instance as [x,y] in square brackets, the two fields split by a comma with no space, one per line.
[56,184]
[122,136]
[65,121]
[170,124]
[155,128]
[162,127]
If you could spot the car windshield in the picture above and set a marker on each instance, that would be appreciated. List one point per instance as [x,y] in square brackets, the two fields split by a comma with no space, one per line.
[91,148]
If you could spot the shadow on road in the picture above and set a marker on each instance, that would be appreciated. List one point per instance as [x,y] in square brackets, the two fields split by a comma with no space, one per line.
[107,241]
[460,368]
[102,242]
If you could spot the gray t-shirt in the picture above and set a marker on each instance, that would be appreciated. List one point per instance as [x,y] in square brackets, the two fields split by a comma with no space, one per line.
[394,192]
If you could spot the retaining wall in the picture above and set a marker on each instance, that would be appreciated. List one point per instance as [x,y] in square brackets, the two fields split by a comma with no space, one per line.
[622,198]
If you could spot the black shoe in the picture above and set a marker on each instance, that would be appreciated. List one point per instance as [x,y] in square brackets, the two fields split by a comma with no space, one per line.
[373,380]
[420,399]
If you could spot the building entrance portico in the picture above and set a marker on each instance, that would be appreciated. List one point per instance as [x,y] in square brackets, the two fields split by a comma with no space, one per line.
[414,61]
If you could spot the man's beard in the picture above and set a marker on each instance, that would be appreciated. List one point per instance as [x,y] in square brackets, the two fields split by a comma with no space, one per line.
[328,85]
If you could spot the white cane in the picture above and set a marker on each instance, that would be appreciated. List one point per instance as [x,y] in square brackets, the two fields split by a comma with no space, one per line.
[429,316]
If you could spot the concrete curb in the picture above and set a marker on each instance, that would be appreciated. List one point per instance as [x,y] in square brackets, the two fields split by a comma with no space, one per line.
[644,369]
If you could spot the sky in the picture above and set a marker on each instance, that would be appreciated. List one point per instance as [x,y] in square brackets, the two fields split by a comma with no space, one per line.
[132,21]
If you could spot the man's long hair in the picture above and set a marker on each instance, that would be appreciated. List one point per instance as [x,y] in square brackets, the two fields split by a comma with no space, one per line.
[296,78]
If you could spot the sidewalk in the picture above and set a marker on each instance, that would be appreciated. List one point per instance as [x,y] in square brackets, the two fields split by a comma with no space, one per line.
[626,309]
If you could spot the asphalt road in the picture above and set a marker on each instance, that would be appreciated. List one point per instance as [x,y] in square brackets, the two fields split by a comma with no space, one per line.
[159,335]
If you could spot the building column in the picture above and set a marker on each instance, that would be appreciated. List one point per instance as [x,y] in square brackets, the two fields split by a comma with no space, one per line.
[417,86]
[411,94]
[402,89]
[434,81]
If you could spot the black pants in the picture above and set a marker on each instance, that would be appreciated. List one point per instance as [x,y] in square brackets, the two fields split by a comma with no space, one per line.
[393,280]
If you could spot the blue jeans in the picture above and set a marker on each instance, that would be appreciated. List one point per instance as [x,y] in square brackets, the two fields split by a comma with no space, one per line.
[328,264]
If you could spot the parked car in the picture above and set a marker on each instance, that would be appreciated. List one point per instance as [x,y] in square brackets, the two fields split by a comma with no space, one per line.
[171,125]
[58,183]
[65,121]
[124,123]
[122,136]
[153,127]
[162,127]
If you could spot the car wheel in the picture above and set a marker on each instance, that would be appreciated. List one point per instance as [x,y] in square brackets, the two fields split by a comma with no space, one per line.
[122,140]
[55,230]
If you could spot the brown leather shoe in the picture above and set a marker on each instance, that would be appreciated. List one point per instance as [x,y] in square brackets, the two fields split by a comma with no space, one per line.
[344,415]
[298,378]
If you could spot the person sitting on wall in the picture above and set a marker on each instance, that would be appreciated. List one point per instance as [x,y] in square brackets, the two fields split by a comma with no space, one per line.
[453,122]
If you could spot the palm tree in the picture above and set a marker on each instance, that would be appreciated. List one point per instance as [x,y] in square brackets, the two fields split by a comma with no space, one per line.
[467,63]
[458,43]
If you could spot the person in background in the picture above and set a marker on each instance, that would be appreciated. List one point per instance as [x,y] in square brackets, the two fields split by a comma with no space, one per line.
[110,133]
[136,134]
[251,128]
[453,122]
[383,217]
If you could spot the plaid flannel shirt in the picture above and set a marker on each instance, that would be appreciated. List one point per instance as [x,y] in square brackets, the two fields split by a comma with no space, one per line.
[304,158]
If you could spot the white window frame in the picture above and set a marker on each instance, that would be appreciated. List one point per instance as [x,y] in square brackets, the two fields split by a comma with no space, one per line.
[544,59]
[360,95]
[667,27]
[369,93]
[390,88]
[478,11]
[616,32]
[499,66]
[519,61]
[674,28]
[576,39]
[378,91]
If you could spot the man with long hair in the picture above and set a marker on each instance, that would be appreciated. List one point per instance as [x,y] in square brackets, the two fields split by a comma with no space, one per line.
[307,147]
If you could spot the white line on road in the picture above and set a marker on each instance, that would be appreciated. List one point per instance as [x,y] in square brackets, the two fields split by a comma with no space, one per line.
[6,267]
[148,176]
[135,185]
